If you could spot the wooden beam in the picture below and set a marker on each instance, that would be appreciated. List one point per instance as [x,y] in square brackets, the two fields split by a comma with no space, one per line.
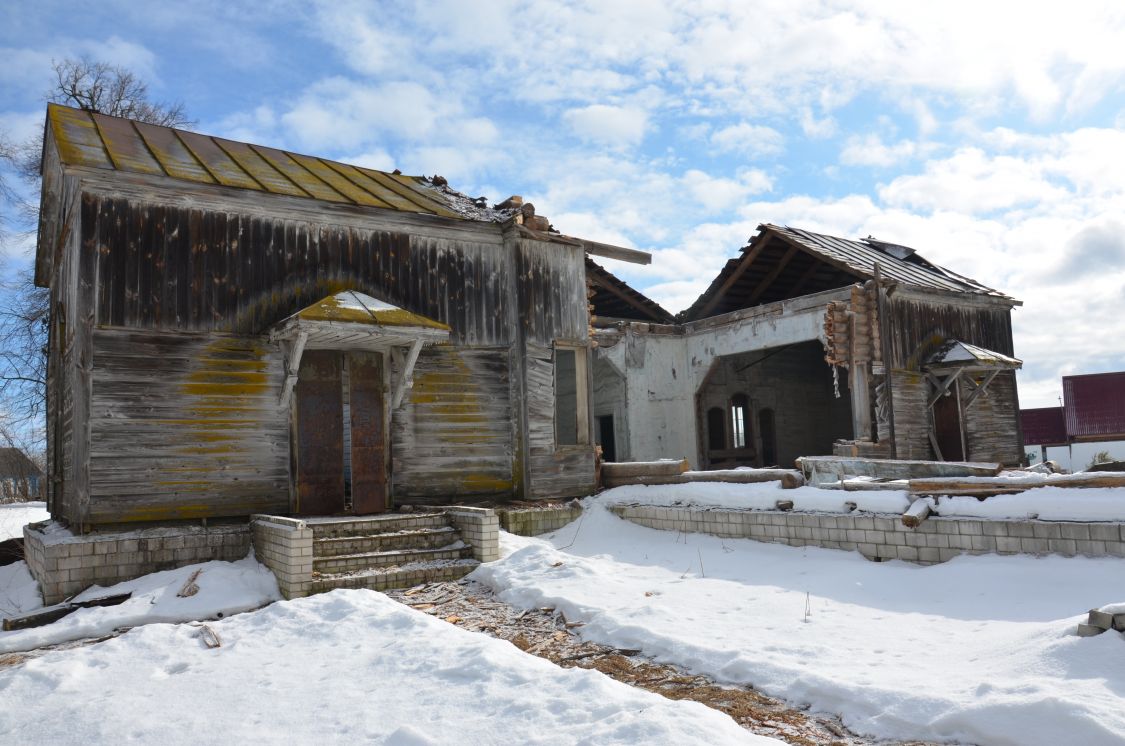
[945,387]
[768,279]
[803,280]
[616,252]
[608,286]
[747,259]
[980,389]
[292,367]
[406,380]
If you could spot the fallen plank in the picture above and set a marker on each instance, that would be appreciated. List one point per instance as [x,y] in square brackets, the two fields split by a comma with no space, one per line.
[49,614]
[618,469]
[789,478]
[818,469]
[986,487]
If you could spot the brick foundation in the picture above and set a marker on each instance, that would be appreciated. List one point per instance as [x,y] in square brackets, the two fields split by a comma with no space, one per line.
[65,563]
[884,537]
[479,528]
[535,521]
[285,546]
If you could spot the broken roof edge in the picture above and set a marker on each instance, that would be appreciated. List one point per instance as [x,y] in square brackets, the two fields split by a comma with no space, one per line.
[628,294]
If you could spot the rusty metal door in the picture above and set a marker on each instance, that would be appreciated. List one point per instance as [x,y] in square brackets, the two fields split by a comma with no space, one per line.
[369,453]
[320,434]
[947,426]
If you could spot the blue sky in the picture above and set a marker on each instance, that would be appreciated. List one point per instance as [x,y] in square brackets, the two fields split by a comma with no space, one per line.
[989,136]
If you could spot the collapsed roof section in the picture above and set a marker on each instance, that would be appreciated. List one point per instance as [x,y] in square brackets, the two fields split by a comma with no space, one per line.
[781,262]
[613,300]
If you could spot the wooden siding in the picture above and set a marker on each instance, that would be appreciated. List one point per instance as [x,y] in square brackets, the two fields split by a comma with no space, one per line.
[910,393]
[917,327]
[175,267]
[554,472]
[186,425]
[991,422]
[451,438]
[552,287]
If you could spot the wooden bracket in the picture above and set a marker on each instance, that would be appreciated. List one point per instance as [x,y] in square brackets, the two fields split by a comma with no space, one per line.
[979,388]
[945,384]
[295,349]
[406,377]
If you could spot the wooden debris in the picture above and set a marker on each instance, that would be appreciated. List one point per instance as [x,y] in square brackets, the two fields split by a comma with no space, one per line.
[789,478]
[918,511]
[784,505]
[190,587]
[613,470]
[1102,619]
[1001,486]
[49,614]
[1089,630]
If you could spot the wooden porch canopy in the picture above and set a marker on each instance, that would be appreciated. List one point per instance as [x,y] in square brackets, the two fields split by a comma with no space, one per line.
[957,361]
[354,321]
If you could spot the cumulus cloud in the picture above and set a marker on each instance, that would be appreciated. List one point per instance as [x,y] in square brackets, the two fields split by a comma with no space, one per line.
[752,140]
[616,126]
[872,151]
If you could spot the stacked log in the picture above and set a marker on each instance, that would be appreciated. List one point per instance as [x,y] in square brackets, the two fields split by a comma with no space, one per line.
[675,472]
[986,487]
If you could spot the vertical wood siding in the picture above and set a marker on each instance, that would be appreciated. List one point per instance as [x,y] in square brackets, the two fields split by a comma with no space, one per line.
[172,267]
[451,437]
[186,425]
[554,472]
[991,422]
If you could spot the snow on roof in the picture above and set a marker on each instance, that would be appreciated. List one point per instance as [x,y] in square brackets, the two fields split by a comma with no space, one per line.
[955,353]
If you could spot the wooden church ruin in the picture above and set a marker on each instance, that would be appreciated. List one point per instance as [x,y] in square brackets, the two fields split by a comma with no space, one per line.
[255,347]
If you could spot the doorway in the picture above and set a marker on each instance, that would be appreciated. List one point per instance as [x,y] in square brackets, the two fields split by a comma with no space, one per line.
[606,439]
[340,433]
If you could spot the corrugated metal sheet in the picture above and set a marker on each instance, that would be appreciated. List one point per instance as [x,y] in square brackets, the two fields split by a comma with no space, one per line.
[1094,404]
[100,141]
[1046,425]
[862,256]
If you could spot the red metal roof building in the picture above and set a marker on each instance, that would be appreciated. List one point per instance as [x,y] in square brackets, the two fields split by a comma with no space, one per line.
[1044,426]
[1094,406]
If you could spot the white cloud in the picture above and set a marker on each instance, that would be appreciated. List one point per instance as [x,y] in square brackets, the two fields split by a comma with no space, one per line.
[719,193]
[816,128]
[871,151]
[752,140]
[616,126]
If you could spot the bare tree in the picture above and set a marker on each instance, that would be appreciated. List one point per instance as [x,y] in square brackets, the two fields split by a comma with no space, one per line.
[24,316]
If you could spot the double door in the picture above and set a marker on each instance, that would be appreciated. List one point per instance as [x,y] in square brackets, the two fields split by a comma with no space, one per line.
[340,434]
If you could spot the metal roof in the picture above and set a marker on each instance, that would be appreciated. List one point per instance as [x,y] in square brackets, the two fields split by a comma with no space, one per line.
[1094,404]
[957,354]
[1043,426]
[896,262]
[95,140]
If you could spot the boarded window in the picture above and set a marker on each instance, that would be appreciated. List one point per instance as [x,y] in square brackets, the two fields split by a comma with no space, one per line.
[571,418]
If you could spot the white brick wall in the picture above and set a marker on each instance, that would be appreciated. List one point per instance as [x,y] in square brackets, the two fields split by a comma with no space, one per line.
[479,528]
[285,546]
[884,537]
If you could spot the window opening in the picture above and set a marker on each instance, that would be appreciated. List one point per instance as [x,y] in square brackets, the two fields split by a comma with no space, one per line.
[739,404]
[716,429]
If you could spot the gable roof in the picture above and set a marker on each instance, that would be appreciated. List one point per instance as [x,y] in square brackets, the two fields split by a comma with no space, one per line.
[15,463]
[1043,425]
[96,140]
[613,299]
[1094,404]
[782,262]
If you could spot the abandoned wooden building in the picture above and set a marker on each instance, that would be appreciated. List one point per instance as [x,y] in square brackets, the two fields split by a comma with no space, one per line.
[807,344]
[239,330]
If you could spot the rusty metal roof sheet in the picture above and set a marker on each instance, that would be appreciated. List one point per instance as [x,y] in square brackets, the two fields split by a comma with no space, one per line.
[99,141]
[1043,426]
[899,263]
[1094,404]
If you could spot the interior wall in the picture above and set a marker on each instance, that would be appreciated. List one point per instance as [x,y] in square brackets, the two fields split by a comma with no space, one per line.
[796,384]
[609,399]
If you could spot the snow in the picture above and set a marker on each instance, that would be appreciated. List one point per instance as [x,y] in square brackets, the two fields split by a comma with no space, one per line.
[18,590]
[342,667]
[225,588]
[14,516]
[1044,503]
[755,496]
[980,649]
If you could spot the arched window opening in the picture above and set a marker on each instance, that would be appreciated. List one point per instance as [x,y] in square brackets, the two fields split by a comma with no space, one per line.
[768,432]
[739,408]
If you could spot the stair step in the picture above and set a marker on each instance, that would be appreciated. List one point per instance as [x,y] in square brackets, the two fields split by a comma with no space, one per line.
[370,560]
[398,576]
[419,538]
[327,528]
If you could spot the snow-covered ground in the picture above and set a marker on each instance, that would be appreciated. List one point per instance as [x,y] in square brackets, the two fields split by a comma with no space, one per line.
[343,667]
[979,649]
[14,516]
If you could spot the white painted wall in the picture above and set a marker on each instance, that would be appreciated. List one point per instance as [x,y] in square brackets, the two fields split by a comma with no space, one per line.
[1077,456]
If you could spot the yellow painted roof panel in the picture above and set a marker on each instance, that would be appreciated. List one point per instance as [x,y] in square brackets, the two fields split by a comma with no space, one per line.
[98,141]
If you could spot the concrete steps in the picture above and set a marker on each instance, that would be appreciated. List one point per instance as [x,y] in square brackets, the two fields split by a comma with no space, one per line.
[383,552]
